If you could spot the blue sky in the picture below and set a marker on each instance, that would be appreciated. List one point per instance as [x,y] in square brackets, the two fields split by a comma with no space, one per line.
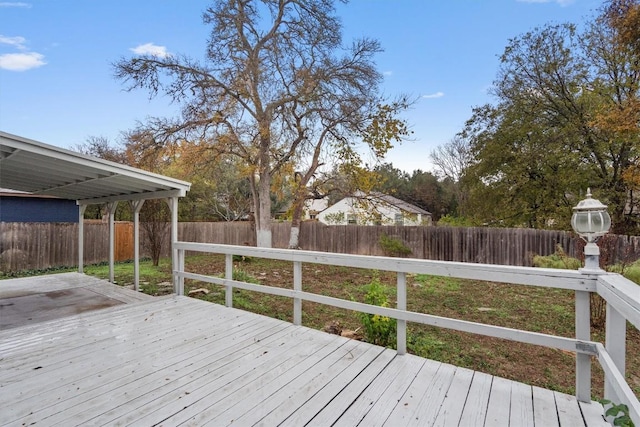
[57,85]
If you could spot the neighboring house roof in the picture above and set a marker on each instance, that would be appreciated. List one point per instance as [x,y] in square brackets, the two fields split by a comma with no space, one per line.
[400,204]
[317,205]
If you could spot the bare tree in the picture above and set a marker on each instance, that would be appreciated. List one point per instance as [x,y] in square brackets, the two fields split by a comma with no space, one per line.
[277,86]
[452,158]
[100,146]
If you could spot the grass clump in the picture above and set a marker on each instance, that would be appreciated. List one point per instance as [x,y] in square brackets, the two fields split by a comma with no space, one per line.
[559,259]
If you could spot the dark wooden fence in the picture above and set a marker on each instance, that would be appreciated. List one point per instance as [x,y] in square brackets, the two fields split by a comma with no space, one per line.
[45,245]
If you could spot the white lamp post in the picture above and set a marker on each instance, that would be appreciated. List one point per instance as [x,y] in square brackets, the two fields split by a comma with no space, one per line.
[591,220]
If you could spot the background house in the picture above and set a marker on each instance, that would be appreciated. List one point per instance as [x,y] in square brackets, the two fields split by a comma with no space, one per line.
[312,207]
[18,206]
[374,209]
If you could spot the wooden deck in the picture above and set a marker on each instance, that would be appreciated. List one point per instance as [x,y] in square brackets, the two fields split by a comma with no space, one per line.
[179,361]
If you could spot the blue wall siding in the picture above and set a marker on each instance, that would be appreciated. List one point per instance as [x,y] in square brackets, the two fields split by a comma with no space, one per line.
[32,209]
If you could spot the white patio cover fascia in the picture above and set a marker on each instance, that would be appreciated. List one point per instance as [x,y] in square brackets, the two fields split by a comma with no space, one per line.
[43,169]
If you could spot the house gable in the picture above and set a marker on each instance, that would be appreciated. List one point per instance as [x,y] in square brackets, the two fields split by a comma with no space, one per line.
[374,209]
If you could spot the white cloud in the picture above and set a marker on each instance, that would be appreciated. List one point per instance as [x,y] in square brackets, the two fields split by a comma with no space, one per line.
[17,41]
[433,95]
[387,73]
[14,4]
[150,49]
[21,61]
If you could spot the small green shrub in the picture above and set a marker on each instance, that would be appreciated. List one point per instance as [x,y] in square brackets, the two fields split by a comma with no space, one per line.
[379,330]
[455,221]
[392,246]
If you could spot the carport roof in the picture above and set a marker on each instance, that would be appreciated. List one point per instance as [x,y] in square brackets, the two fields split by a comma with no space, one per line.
[39,168]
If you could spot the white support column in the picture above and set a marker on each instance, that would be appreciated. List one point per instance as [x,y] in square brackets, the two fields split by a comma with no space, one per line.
[81,210]
[297,287]
[615,342]
[111,208]
[173,207]
[137,206]
[401,328]
[583,332]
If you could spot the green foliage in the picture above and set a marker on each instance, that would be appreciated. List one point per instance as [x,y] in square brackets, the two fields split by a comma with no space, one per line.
[243,276]
[335,218]
[392,246]
[455,221]
[437,284]
[379,330]
[556,128]
[35,272]
[631,272]
[420,188]
[619,412]
[559,259]
[428,345]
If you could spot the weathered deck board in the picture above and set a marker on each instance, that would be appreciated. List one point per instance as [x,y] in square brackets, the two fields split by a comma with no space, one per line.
[544,407]
[475,409]
[54,296]
[179,361]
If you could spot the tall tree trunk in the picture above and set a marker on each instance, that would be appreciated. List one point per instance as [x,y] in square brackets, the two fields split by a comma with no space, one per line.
[296,219]
[263,216]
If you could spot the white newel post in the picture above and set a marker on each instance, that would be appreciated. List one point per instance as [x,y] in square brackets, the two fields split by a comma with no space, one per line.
[590,220]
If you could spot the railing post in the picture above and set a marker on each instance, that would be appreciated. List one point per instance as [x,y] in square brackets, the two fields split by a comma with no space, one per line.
[180,265]
[401,298]
[583,332]
[228,274]
[615,343]
[297,287]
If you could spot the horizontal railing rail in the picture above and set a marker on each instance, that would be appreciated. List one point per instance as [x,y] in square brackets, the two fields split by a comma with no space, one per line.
[622,296]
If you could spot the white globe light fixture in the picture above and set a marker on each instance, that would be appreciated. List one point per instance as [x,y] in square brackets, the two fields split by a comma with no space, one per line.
[591,220]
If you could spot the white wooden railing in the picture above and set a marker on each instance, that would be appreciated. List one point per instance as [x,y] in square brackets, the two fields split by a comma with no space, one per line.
[622,296]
